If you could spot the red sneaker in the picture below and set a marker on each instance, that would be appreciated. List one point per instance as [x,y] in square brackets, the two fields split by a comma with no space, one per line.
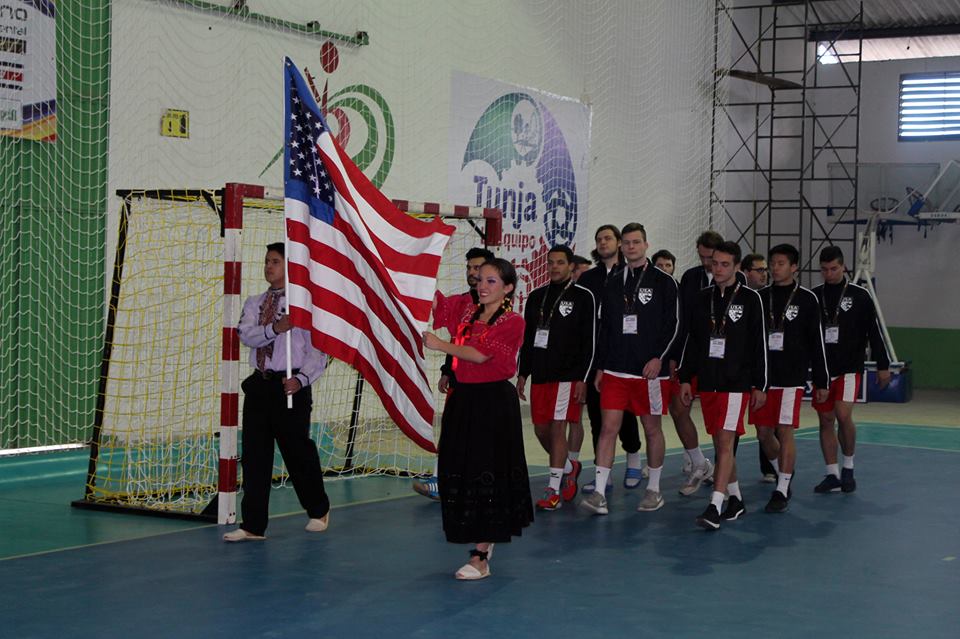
[568,487]
[550,500]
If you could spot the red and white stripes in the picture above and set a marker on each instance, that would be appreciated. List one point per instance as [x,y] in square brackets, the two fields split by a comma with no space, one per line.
[493,217]
[233,195]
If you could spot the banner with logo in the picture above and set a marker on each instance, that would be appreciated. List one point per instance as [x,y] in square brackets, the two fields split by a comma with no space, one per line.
[28,69]
[527,153]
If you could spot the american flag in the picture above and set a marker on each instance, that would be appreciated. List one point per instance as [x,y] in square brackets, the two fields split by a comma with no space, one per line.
[362,273]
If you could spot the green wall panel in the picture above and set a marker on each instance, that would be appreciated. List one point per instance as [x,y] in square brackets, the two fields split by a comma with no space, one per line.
[52,216]
[933,353]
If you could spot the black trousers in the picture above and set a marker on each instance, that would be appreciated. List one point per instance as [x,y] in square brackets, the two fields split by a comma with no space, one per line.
[266,419]
[629,430]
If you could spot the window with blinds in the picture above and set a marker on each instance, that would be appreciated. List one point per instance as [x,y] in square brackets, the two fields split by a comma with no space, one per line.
[929,106]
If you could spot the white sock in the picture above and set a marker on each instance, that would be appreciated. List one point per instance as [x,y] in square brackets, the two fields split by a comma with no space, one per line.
[603,474]
[686,458]
[696,456]
[556,474]
[654,482]
[634,460]
[733,489]
[783,483]
[848,462]
[833,469]
[717,499]
[573,455]
[567,467]
[776,464]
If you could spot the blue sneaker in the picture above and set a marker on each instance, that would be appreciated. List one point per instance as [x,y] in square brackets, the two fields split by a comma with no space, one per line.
[847,483]
[428,488]
[830,484]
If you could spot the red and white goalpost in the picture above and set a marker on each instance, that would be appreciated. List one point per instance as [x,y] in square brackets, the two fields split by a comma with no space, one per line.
[186,259]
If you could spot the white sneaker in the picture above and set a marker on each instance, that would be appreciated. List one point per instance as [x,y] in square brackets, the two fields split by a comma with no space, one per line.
[697,477]
[241,535]
[318,525]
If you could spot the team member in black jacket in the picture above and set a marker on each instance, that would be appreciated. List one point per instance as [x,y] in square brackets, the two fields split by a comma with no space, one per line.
[557,353]
[476,257]
[609,263]
[696,466]
[849,321]
[726,350]
[794,345]
[638,324]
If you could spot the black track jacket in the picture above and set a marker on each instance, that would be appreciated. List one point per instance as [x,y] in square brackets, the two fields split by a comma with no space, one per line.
[654,299]
[802,337]
[857,318]
[744,364]
[569,353]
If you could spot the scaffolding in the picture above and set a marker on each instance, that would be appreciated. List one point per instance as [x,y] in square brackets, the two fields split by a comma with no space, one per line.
[780,117]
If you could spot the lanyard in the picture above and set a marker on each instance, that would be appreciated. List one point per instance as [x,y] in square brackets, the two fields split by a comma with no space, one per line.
[783,315]
[556,303]
[723,320]
[628,300]
[836,310]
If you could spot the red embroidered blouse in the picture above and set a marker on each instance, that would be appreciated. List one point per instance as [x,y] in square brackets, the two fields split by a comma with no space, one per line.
[501,341]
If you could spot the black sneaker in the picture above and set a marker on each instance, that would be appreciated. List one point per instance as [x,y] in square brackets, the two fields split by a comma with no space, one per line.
[847,483]
[830,484]
[778,503]
[710,519]
[734,509]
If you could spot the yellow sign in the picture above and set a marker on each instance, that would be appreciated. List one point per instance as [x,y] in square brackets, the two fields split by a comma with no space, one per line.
[175,124]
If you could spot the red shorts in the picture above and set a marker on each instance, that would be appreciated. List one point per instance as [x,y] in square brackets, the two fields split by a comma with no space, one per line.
[844,388]
[638,395]
[782,408]
[724,411]
[553,402]
[675,383]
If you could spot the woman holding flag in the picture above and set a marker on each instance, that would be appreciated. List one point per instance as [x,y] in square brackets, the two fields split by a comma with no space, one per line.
[484,489]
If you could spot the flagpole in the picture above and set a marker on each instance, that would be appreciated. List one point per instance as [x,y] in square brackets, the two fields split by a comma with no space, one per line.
[286,304]
[286,262]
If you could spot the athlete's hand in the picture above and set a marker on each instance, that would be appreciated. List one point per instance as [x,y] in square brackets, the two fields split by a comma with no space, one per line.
[686,394]
[596,380]
[580,392]
[522,387]
[291,385]
[883,379]
[444,384]
[757,399]
[652,368]
[821,395]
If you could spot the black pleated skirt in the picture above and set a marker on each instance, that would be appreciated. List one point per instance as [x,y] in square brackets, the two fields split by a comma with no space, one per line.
[484,488]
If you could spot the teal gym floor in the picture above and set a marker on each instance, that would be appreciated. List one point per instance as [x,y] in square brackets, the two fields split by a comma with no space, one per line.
[881,562]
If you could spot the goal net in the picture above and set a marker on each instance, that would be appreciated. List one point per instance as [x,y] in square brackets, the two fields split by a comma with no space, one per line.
[165,439]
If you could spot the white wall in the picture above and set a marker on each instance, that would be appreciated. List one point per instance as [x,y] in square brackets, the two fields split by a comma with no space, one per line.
[644,66]
[916,277]
[913,272]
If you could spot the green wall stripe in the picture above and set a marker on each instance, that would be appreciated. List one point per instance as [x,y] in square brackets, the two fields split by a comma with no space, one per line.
[933,354]
[52,217]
